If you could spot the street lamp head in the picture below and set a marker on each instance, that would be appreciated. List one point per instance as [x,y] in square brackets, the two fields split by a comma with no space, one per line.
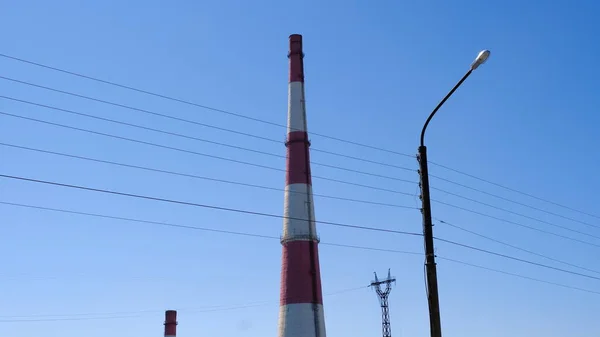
[480,59]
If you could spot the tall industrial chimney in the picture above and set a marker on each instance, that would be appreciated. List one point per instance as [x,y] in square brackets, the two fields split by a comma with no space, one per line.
[301,299]
[170,323]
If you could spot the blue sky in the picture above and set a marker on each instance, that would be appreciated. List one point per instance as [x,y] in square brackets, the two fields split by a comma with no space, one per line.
[526,119]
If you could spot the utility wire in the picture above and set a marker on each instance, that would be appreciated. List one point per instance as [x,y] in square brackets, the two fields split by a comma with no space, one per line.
[516,247]
[283,170]
[277,238]
[509,200]
[118,317]
[65,319]
[250,135]
[145,92]
[204,229]
[14,58]
[206,206]
[187,120]
[313,163]
[516,259]
[517,191]
[197,153]
[146,168]
[517,224]
[203,106]
[137,126]
[136,314]
[236,210]
[240,133]
[140,110]
[364,160]
[256,165]
[520,214]
[519,275]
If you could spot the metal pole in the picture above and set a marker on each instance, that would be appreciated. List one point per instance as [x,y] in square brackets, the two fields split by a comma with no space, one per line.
[430,266]
[433,300]
[431,270]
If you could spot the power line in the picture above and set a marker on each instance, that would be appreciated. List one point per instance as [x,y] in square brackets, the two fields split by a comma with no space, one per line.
[509,200]
[363,160]
[314,176]
[267,167]
[146,168]
[167,224]
[516,247]
[137,314]
[274,237]
[141,110]
[283,170]
[137,126]
[64,319]
[205,229]
[85,314]
[520,214]
[517,259]
[315,163]
[196,153]
[519,275]
[143,91]
[236,210]
[187,120]
[517,191]
[219,208]
[517,224]
[199,106]
[210,126]
[271,123]
[51,316]
[118,317]
[277,238]
[254,136]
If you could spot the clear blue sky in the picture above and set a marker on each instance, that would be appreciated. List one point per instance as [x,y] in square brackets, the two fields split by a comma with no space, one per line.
[526,119]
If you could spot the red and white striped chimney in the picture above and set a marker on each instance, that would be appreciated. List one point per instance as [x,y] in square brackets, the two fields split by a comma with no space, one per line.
[301,299]
[170,323]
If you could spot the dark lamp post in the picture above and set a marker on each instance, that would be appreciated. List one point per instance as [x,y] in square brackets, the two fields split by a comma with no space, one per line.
[432,285]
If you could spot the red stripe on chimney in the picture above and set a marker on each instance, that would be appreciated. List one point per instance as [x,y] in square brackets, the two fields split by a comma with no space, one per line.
[170,323]
[298,171]
[296,274]
[296,55]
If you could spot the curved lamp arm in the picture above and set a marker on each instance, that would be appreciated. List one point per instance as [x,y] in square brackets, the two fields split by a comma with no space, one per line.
[442,103]
[479,60]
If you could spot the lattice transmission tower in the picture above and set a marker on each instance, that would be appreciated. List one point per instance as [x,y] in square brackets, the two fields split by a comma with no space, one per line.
[383,301]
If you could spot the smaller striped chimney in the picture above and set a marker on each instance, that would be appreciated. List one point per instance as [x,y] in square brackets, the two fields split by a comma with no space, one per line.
[170,323]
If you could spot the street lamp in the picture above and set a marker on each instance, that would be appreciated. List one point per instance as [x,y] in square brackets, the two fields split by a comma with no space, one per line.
[432,286]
